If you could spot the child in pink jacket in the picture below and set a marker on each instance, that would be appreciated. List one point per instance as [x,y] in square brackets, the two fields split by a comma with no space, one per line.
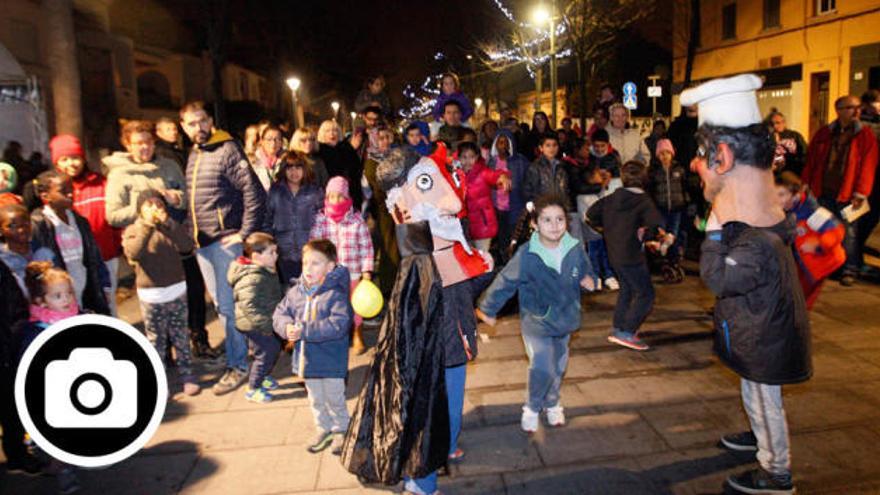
[480,179]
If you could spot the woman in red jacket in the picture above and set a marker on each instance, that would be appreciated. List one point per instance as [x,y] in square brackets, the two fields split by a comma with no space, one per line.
[480,179]
[88,200]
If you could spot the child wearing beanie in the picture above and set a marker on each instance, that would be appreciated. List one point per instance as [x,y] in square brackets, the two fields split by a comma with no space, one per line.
[344,226]
[667,186]
[89,190]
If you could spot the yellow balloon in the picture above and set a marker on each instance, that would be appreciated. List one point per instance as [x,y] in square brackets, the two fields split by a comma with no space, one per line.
[366,300]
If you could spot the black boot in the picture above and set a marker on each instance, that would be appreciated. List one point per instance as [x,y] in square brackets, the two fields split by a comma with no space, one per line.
[202,350]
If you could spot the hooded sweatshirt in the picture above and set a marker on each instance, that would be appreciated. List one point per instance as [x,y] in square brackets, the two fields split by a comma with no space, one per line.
[126,180]
[621,215]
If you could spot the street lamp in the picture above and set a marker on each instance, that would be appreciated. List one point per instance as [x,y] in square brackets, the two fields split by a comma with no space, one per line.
[353,116]
[478,102]
[542,15]
[335,106]
[293,83]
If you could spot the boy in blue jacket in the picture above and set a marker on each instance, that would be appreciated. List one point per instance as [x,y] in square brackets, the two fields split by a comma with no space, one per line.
[548,272]
[316,314]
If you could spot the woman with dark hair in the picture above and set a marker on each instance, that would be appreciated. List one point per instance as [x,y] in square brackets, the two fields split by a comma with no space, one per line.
[294,200]
[540,128]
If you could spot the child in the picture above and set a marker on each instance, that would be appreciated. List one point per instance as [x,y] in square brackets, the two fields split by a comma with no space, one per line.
[316,315]
[668,188]
[89,191]
[348,232]
[482,223]
[605,162]
[257,291]
[450,90]
[52,299]
[418,136]
[548,273]
[294,200]
[70,237]
[154,244]
[18,247]
[819,240]
[547,175]
[509,205]
[627,217]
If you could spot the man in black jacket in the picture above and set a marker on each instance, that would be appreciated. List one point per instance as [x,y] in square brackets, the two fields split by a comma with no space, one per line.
[761,327]
[226,204]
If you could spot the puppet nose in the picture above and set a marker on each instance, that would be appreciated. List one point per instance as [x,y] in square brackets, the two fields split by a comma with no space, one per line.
[449,204]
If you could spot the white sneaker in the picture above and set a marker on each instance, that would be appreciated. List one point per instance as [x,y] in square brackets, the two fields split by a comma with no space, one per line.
[611,283]
[555,416]
[529,420]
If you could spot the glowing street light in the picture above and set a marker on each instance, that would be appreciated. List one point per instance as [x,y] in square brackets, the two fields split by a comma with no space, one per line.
[293,83]
[541,15]
[478,102]
[335,106]
[353,116]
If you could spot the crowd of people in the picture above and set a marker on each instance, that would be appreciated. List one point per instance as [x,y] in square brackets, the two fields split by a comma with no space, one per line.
[279,229]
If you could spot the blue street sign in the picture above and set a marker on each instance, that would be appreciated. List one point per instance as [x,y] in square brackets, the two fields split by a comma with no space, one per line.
[629,89]
[630,101]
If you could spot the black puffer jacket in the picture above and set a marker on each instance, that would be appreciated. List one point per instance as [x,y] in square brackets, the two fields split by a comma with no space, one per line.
[225,197]
[544,177]
[761,327]
[668,187]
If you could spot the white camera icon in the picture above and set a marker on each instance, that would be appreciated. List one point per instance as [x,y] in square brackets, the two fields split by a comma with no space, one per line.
[91,390]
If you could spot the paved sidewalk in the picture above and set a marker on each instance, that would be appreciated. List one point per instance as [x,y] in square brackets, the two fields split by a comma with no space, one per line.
[638,423]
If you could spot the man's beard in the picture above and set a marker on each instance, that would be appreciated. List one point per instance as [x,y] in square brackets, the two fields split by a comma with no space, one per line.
[201,137]
[443,226]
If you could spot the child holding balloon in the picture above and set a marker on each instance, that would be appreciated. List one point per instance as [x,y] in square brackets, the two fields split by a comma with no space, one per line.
[316,316]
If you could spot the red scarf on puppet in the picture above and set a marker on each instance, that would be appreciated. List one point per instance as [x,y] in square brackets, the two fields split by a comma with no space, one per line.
[454,262]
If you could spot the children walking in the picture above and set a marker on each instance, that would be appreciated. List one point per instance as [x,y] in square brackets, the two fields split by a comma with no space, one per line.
[820,234]
[69,236]
[257,291]
[345,228]
[628,217]
[316,314]
[154,245]
[548,273]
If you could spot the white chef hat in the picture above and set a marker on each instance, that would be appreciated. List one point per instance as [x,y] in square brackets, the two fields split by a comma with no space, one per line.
[728,102]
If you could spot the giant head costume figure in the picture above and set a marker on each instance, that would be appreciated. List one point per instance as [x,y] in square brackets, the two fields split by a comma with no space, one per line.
[422,189]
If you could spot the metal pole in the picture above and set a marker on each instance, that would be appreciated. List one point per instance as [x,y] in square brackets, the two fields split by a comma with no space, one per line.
[553,65]
[539,76]
[654,98]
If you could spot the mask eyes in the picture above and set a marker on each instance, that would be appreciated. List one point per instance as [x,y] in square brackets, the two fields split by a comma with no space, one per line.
[424,182]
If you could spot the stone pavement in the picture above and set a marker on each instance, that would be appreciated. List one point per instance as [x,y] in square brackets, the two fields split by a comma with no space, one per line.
[638,423]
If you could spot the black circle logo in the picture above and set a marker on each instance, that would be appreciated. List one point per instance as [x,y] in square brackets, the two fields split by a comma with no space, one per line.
[91,390]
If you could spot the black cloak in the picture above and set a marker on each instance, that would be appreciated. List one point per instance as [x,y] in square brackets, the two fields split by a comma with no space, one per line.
[401,424]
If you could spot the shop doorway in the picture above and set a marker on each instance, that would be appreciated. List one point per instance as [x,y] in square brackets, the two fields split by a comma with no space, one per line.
[819,94]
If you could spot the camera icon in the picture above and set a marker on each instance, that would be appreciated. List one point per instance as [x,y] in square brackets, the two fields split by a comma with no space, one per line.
[91,390]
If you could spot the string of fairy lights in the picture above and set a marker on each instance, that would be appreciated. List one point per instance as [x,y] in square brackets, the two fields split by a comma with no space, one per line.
[422,99]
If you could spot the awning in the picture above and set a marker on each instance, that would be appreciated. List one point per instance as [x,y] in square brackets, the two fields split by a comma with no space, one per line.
[10,70]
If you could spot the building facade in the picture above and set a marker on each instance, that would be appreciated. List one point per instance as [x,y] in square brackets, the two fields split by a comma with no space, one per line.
[809,52]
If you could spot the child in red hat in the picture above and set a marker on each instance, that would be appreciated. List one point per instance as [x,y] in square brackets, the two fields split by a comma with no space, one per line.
[88,200]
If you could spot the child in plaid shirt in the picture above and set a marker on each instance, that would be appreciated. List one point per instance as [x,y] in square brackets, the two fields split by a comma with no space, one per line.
[346,228]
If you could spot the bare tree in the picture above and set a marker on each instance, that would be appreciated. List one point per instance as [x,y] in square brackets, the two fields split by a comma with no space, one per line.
[592,30]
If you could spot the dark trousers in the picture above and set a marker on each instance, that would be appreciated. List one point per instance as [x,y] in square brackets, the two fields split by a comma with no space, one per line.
[195,300]
[599,258]
[635,299]
[673,226]
[289,269]
[266,348]
[13,431]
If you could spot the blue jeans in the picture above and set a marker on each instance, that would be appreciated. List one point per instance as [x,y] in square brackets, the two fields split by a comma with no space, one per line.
[599,259]
[548,358]
[214,260]
[673,226]
[850,240]
[266,347]
[635,299]
[455,379]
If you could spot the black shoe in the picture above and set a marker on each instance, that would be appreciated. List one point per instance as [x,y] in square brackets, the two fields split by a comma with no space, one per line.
[29,466]
[744,442]
[761,482]
[201,350]
[847,281]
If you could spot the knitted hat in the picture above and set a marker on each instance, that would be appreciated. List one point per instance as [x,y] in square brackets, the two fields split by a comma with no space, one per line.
[664,145]
[65,145]
[727,102]
[337,184]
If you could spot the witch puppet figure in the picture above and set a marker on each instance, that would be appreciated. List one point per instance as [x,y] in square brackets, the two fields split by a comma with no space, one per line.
[408,416]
